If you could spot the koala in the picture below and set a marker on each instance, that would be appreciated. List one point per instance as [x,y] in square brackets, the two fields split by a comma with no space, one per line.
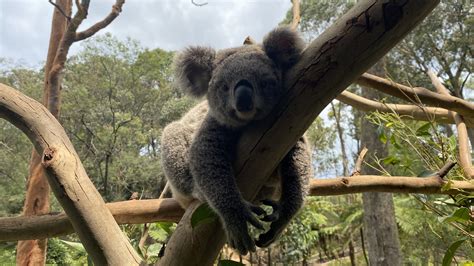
[242,86]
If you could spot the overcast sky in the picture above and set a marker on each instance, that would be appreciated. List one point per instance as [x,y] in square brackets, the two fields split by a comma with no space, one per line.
[169,24]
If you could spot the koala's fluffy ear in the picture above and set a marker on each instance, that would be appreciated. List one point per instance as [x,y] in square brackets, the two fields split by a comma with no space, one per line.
[193,69]
[284,46]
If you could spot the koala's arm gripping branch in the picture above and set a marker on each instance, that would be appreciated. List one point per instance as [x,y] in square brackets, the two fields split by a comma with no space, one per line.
[296,171]
[329,64]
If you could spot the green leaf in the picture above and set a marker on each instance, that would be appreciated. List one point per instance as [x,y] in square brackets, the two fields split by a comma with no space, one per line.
[448,256]
[203,214]
[382,136]
[424,130]
[229,263]
[154,248]
[459,215]
[391,160]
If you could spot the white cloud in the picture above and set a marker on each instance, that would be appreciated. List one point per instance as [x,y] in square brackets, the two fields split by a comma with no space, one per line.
[167,24]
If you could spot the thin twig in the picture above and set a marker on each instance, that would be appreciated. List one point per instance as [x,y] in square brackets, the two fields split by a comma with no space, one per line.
[60,10]
[358,164]
[197,4]
[165,191]
[116,9]
[445,169]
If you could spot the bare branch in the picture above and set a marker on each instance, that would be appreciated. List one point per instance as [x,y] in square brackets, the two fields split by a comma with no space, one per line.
[296,14]
[124,212]
[414,95]
[116,9]
[406,111]
[393,184]
[149,211]
[445,169]
[463,139]
[358,164]
[60,10]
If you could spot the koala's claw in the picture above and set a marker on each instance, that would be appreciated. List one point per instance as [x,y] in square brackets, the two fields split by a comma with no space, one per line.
[256,209]
[266,239]
[237,231]
[276,228]
[275,213]
[243,245]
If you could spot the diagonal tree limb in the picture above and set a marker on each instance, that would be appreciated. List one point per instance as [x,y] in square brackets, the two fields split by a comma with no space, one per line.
[95,225]
[116,9]
[417,94]
[409,111]
[329,64]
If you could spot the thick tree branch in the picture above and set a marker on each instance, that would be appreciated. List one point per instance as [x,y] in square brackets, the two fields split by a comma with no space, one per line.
[124,212]
[149,211]
[116,9]
[417,95]
[393,184]
[416,112]
[91,219]
[328,65]
[463,139]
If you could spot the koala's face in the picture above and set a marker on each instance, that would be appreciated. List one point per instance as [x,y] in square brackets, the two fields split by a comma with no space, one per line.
[242,84]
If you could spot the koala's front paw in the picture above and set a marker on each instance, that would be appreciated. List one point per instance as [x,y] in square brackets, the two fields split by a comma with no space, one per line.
[277,226]
[237,228]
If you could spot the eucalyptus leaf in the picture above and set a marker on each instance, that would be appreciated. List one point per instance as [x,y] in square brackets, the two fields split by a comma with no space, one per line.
[449,255]
[203,214]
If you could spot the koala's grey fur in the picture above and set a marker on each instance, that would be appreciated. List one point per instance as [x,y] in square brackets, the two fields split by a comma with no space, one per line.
[242,86]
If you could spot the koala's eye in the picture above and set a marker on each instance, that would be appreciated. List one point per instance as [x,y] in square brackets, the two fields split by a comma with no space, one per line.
[225,88]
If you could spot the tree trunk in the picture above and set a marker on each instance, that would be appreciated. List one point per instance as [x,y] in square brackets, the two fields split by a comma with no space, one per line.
[345,167]
[33,252]
[379,214]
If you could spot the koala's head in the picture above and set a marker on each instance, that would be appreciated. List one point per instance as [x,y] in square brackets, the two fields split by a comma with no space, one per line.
[242,84]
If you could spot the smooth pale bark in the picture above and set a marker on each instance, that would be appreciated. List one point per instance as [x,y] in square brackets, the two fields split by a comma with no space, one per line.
[406,111]
[417,94]
[463,138]
[168,210]
[328,65]
[124,212]
[95,225]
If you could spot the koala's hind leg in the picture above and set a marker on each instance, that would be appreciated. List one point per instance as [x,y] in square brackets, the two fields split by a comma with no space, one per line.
[175,142]
[296,170]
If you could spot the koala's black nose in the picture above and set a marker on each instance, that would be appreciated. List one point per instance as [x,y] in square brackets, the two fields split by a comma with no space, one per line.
[243,96]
